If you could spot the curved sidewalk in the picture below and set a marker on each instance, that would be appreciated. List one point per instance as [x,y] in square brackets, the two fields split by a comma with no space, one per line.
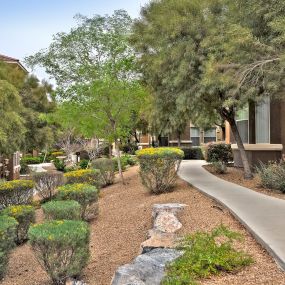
[262,215]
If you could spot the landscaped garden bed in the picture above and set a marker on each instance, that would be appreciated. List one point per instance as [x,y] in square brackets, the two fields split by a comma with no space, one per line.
[122,224]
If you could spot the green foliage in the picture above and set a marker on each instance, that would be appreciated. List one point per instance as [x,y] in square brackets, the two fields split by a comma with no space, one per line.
[129,148]
[16,192]
[62,210]
[46,183]
[272,175]
[86,195]
[84,163]
[25,216]
[158,168]
[62,248]
[106,167]
[8,227]
[206,254]
[128,159]
[123,163]
[219,152]
[26,160]
[192,153]
[219,167]
[59,164]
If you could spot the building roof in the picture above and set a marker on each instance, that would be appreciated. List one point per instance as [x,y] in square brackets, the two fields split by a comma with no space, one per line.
[13,60]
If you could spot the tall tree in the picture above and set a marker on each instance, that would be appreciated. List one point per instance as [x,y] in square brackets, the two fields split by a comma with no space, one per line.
[93,66]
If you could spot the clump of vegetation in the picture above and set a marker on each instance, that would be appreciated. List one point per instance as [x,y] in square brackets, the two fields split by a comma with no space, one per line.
[62,248]
[46,183]
[158,168]
[62,210]
[25,216]
[8,227]
[106,167]
[272,175]
[192,153]
[219,167]
[86,195]
[26,160]
[16,192]
[84,163]
[206,254]
[59,164]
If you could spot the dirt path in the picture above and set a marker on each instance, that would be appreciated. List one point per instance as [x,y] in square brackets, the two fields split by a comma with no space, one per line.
[125,217]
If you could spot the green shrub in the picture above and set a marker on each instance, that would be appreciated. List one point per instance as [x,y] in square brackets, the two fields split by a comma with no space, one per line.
[86,195]
[129,159]
[193,153]
[46,183]
[158,168]
[272,176]
[106,167]
[84,163]
[31,160]
[16,192]
[219,167]
[129,148]
[219,152]
[62,210]
[62,248]
[123,163]
[25,216]
[89,176]
[206,254]
[59,164]
[8,227]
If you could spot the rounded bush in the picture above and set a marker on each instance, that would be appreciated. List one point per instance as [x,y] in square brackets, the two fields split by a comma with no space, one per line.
[25,216]
[89,176]
[8,227]
[86,195]
[219,152]
[62,247]
[62,210]
[158,168]
[106,167]
[16,192]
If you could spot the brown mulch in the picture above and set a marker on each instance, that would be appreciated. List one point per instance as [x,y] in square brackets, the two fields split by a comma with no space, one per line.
[124,219]
[235,175]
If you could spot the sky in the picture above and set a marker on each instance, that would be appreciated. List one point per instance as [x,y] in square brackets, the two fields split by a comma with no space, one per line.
[26,26]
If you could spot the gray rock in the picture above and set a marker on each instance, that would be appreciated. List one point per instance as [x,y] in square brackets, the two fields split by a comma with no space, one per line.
[173,208]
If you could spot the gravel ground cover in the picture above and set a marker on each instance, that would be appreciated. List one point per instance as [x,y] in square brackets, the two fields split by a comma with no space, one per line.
[125,217]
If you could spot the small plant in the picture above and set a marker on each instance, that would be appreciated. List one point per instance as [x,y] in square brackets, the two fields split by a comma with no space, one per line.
[62,210]
[84,163]
[89,176]
[219,167]
[25,216]
[59,164]
[219,152]
[128,159]
[193,153]
[27,160]
[46,183]
[272,176]
[206,254]
[8,227]
[123,164]
[16,192]
[62,248]
[158,168]
[106,167]
[86,195]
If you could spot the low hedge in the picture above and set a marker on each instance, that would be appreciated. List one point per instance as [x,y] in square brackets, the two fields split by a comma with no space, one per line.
[86,195]
[62,248]
[25,216]
[158,168]
[62,210]
[192,153]
[106,167]
[8,227]
[219,152]
[16,192]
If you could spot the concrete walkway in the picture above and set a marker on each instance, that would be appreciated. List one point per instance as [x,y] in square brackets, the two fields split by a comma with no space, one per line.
[262,215]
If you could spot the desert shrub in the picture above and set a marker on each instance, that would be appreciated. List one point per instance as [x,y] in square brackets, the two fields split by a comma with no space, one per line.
[31,159]
[158,168]
[89,176]
[86,195]
[84,163]
[272,175]
[129,159]
[129,148]
[219,152]
[192,153]
[123,163]
[46,183]
[59,164]
[25,216]
[71,168]
[219,167]
[16,192]
[107,170]
[62,248]
[8,227]
[206,254]
[62,210]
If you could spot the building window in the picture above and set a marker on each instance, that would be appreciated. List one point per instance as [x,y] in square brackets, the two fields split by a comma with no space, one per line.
[242,123]
[262,121]
[210,135]
[195,136]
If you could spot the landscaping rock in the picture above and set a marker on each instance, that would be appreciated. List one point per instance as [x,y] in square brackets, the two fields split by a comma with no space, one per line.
[167,222]
[174,208]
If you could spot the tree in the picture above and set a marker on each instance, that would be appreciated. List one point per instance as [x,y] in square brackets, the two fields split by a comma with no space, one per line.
[94,68]
[211,56]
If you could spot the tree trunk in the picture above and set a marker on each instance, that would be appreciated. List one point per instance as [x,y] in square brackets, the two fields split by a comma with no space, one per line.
[110,150]
[119,161]
[178,139]
[246,166]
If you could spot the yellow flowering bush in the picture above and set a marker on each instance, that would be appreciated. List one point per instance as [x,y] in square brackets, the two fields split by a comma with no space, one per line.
[158,168]
[16,192]
[25,216]
[89,176]
[62,247]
